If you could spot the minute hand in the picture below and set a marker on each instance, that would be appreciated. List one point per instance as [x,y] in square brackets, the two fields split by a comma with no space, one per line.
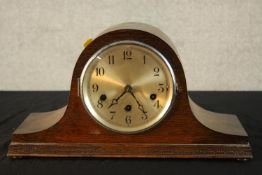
[140,107]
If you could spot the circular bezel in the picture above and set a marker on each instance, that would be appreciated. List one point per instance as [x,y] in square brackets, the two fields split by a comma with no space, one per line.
[127,130]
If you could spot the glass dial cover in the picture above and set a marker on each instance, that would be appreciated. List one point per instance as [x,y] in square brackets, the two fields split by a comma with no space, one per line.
[127,86]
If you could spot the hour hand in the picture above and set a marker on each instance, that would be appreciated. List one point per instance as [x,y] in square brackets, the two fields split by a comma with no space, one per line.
[115,100]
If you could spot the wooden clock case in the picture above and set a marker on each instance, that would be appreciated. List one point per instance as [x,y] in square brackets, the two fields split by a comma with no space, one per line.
[188,131]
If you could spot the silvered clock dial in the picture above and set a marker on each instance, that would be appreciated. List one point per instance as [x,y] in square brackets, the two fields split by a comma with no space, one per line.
[127,86]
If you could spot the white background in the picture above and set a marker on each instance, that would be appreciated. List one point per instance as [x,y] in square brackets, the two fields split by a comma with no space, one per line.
[219,41]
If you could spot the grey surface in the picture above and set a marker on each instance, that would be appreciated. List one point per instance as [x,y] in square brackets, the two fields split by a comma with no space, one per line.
[40,121]
[219,41]
[15,106]
[219,122]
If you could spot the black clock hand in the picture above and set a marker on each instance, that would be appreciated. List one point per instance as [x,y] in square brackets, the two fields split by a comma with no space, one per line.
[115,100]
[140,107]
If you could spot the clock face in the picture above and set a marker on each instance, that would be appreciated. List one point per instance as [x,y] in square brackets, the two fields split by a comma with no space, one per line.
[127,86]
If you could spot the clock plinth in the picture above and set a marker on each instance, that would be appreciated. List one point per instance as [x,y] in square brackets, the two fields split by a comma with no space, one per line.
[187,131]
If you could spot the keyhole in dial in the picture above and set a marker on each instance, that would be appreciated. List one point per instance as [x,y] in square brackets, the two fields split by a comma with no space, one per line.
[153,96]
[128,108]
[103,97]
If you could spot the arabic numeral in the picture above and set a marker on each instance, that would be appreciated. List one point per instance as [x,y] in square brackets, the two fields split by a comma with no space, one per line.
[94,87]
[100,71]
[161,87]
[144,117]
[112,114]
[127,54]
[157,104]
[156,71]
[111,59]
[99,104]
[128,120]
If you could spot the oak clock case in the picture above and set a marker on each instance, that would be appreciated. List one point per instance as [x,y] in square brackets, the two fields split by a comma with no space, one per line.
[128,98]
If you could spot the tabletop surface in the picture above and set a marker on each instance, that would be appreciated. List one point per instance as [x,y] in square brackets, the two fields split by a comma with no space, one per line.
[15,106]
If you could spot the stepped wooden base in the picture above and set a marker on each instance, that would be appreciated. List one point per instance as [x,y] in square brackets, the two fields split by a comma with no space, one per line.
[131,150]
